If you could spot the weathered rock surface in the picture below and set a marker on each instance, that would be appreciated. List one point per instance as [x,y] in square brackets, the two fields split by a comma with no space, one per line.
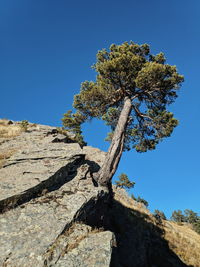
[42,187]
[52,213]
[99,254]
[80,246]
[35,160]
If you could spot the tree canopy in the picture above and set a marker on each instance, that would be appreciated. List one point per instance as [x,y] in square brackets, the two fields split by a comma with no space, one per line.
[189,216]
[178,216]
[130,70]
[131,93]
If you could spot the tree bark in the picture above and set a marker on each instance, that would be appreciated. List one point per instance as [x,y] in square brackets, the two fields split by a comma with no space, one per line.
[114,153]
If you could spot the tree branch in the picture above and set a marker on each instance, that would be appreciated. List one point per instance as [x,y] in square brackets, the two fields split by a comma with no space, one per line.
[141,115]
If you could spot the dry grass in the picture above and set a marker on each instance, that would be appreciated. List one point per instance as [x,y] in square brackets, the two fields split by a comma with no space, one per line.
[4,155]
[2,162]
[72,245]
[182,240]
[9,130]
[4,122]
[70,239]
[75,241]
[122,196]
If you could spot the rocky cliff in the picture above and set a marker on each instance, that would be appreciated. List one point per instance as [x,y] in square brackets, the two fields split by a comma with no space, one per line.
[54,214]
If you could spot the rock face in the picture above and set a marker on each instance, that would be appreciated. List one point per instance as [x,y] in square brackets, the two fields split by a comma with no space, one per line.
[52,213]
[42,188]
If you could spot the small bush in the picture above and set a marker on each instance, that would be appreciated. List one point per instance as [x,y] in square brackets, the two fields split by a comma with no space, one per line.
[72,122]
[159,215]
[196,226]
[4,122]
[177,216]
[63,131]
[24,125]
[124,182]
[77,138]
[141,200]
[189,216]
[133,197]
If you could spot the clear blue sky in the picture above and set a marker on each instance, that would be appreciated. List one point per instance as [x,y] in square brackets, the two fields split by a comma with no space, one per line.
[47,48]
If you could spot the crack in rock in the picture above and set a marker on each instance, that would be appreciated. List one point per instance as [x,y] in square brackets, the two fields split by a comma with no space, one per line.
[54,182]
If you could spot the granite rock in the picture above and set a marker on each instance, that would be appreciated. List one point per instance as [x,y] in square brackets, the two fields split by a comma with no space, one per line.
[43,185]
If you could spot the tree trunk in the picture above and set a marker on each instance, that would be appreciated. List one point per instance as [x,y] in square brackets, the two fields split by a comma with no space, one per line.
[113,156]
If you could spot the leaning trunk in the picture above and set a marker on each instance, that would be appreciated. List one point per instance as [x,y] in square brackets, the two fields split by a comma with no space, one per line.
[112,159]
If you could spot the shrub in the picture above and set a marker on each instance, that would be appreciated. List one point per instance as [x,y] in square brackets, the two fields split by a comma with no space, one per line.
[141,200]
[177,216]
[133,197]
[196,226]
[191,216]
[124,182]
[159,215]
[76,137]
[24,124]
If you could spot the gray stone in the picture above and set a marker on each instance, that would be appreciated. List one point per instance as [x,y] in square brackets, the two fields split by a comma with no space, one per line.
[42,188]
[35,160]
[52,213]
[94,250]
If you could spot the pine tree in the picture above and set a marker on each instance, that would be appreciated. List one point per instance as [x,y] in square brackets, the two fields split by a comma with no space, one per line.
[159,215]
[177,216]
[191,216]
[73,122]
[124,182]
[132,91]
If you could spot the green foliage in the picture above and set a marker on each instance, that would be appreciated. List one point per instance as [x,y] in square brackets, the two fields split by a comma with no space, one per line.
[24,125]
[124,182]
[73,123]
[63,131]
[133,197]
[78,138]
[189,216]
[159,215]
[129,70]
[196,226]
[141,200]
[177,216]
[193,218]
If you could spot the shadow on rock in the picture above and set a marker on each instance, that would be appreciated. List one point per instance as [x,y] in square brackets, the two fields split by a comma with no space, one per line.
[54,182]
[138,242]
